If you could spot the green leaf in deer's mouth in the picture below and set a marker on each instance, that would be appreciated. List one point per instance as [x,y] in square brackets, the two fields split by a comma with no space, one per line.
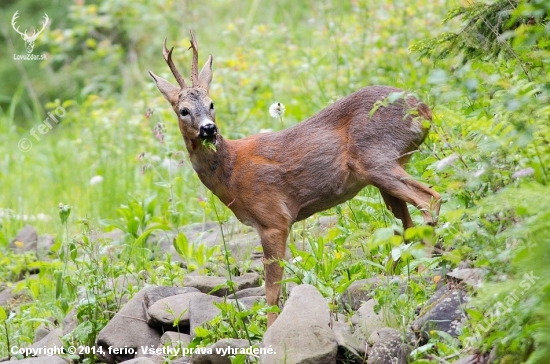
[209,142]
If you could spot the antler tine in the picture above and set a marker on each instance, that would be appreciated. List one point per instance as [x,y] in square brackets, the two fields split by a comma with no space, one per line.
[45,20]
[13,23]
[168,58]
[44,23]
[194,65]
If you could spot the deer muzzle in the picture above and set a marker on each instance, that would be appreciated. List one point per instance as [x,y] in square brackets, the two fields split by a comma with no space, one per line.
[207,129]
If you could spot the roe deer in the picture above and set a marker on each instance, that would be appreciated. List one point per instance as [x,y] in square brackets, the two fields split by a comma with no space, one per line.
[271,180]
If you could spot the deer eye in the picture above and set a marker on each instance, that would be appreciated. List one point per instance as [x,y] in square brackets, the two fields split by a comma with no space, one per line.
[211,106]
[184,112]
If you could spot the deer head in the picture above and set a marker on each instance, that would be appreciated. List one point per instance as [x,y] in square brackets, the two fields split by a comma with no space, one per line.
[29,40]
[192,105]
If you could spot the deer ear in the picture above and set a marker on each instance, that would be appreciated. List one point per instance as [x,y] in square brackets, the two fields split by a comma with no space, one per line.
[169,91]
[205,77]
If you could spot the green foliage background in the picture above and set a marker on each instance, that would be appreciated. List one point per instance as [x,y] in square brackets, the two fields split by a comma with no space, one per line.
[488,152]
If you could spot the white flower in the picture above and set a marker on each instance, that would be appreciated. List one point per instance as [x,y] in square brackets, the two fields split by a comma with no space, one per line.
[169,163]
[445,162]
[277,110]
[95,180]
[524,173]
[479,172]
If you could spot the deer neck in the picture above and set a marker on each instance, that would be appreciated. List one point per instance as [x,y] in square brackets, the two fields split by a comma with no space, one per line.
[213,167]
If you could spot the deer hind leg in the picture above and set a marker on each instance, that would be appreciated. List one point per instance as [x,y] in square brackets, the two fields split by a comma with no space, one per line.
[398,208]
[399,184]
[274,244]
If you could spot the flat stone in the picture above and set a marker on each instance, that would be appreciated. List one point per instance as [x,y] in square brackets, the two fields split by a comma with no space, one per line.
[248,302]
[142,360]
[127,329]
[175,339]
[254,291]
[221,358]
[301,333]
[470,276]
[41,333]
[358,292]
[44,244]
[201,310]
[207,284]
[368,320]
[122,282]
[389,347]
[159,293]
[443,312]
[469,359]
[242,242]
[6,296]
[70,321]
[164,312]
[25,240]
[51,341]
[346,340]
[40,360]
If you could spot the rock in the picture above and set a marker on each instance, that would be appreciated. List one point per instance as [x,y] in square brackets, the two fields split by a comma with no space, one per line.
[41,333]
[122,282]
[70,322]
[301,333]
[442,312]
[44,245]
[175,339]
[247,280]
[324,223]
[465,264]
[115,235]
[25,240]
[50,341]
[470,276]
[249,302]
[468,359]
[346,340]
[246,246]
[206,284]
[242,241]
[6,297]
[389,347]
[127,331]
[40,360]
[142,360]
[201,310]
[165,311]
[247,292]
[223,357]
[368,321]
[158,293]
[358,292]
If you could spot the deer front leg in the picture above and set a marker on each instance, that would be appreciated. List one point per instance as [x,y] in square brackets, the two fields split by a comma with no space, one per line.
[274,245]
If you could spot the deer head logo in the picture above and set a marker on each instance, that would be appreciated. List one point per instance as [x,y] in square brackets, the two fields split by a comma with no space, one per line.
[29,39]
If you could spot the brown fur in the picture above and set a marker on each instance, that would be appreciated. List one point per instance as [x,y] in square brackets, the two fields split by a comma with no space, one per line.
[272,180]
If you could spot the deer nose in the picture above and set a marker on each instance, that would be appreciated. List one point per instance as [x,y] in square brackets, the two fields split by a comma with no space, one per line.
[207,130]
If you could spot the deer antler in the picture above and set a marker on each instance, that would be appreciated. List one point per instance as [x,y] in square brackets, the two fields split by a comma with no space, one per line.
[44,23]
[13,20]
[194,65]
[168,58]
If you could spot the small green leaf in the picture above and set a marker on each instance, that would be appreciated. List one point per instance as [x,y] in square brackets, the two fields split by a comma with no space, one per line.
[201,332]
[239,359]
[181,244]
